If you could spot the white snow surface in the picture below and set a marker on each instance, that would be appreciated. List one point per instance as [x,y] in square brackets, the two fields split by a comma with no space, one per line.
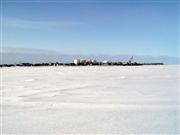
[90,100]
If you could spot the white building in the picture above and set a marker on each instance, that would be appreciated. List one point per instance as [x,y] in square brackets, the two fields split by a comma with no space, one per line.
[76,61]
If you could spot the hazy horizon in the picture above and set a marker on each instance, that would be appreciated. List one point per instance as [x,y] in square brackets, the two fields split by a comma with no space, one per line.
[17,55]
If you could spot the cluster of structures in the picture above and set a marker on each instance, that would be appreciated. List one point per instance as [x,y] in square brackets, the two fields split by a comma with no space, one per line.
[83,62]
[105,62]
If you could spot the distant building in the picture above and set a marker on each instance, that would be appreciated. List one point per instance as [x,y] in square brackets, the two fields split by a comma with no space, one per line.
[76,61]
[84,62]
[88,62]
[94,61]
[106,62]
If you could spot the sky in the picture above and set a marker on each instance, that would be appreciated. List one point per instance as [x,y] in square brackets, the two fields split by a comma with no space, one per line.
[113,27]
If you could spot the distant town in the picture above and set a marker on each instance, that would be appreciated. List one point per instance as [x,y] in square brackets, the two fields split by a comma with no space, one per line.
[83,62]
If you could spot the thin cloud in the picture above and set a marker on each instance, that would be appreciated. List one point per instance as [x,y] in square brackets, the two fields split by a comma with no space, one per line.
[33,24]
[27,50]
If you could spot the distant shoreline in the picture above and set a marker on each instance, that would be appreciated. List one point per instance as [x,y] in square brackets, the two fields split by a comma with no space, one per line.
[72,64]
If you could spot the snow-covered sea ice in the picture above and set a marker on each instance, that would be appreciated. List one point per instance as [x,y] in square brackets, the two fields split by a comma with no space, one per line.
[90,99]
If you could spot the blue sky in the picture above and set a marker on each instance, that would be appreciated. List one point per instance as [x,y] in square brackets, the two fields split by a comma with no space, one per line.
[93,27]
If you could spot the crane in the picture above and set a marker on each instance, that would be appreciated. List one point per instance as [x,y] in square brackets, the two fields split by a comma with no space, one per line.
[130,60]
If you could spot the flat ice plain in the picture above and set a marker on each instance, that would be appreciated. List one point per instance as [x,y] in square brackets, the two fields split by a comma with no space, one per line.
[90,100]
